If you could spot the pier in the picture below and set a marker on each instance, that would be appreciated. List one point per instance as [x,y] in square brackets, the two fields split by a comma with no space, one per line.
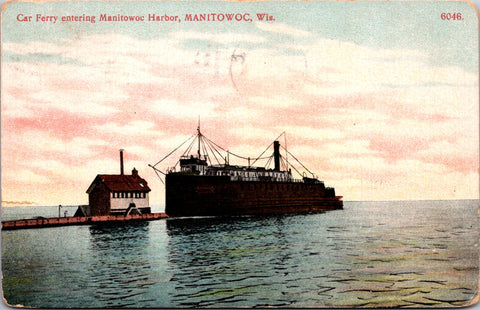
[80,220]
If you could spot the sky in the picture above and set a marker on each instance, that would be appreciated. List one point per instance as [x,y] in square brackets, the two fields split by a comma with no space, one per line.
[379,98]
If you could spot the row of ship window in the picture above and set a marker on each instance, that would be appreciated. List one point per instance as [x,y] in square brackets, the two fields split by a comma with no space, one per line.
[250,174]
[129,195]
[277,186]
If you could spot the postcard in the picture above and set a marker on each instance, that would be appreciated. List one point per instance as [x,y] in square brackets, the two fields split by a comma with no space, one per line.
[239,154]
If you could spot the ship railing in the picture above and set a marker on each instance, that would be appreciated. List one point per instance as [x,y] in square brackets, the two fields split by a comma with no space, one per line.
[237,178]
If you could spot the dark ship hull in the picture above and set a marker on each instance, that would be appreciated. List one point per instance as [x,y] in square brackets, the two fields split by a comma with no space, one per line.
[195,195]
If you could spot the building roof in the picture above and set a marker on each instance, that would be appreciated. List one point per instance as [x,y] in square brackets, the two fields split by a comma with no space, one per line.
[121,183]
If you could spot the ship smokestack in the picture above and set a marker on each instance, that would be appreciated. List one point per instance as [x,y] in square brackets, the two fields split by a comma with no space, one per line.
[276,155]
[121,161]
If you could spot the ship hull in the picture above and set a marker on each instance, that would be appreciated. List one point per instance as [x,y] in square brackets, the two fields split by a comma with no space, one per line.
[194,195]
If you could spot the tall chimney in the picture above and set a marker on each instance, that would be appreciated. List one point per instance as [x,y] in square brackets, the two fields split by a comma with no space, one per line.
[276,155]
[121,161]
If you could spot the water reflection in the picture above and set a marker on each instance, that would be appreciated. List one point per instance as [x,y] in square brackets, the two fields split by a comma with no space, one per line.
[193,225]
[384,254]
[326,259]
[228,261]
[132,234]
[120,269]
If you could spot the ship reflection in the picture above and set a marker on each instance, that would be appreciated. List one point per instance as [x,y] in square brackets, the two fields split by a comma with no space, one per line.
[193,225]
[216,260]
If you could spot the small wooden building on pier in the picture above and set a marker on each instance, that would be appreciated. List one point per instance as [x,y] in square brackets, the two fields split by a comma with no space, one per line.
[117,194]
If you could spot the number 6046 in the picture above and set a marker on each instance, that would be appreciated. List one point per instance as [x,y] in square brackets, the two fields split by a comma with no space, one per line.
[451,16]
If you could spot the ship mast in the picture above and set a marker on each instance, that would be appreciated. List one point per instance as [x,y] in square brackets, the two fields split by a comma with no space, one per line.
[213,150]
[199,137]
[286,152]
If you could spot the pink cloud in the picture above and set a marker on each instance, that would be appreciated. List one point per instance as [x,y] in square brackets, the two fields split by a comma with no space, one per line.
[165,99]
[394,148]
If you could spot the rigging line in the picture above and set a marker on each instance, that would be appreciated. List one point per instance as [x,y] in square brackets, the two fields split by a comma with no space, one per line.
[154,168]
[200,145]
[262,153]
[200,149]
[259,157]
[246,158]
[269,161]
[207,158]
[189,147]
[214,144]
[158,174]
[172,151]
[206,149]
[187,151]
[280,135]
[220,153]
[224,159]
[242,157]
[292,166]
[176,164]
[213,151]
[299,162]
[225,150]
[285,163]
[282,162]
[286,154]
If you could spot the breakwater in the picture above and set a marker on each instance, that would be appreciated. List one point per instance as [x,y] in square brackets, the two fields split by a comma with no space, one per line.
[79,220]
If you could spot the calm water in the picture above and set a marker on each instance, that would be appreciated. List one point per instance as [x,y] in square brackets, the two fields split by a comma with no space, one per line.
[369,254]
